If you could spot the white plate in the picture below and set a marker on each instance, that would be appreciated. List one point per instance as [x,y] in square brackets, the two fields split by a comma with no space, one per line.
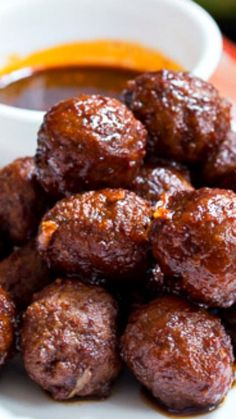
[22,399]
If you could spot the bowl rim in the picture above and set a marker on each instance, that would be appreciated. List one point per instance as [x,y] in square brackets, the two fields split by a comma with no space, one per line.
[206,66]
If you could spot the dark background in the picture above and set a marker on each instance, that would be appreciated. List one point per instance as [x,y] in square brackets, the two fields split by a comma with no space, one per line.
[224,12]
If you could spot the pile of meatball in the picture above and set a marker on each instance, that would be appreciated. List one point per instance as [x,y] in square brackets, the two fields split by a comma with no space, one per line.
[118,245]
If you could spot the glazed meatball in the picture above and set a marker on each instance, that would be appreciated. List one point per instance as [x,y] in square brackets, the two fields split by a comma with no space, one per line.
[22,201]
[193,238]
[7,326]
[152,181]
[220,167]
[69,340]
[185,116]
[180,352]
[97,233]
[89,142]
[23,273]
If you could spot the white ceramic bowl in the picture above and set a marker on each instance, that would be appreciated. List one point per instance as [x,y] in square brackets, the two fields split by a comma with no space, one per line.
[179,28]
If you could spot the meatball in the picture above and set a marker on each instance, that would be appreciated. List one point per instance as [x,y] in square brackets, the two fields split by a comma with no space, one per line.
[193,238]
[220,167]
[152,181]
[69,340]
[185,116]
[7,326]
[97,233]
[22,201]
[180,352]
[89,142]
[23,273]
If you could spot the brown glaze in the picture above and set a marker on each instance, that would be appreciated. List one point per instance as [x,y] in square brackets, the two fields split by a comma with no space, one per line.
[41,89]
[185,116]
[220,167]
[22,201]
[89,142]
[154,180]
[7,326]
[69,340]
[180,352]
[103,232]
[194,239]
[23,273]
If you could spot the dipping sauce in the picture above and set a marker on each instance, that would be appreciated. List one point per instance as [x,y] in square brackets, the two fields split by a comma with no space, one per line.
[42,89]
[102,67]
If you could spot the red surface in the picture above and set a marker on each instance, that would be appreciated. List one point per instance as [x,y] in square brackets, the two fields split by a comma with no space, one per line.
[225,77]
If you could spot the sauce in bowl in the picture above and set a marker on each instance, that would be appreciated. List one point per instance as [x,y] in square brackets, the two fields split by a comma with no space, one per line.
[102,67]
[40,90]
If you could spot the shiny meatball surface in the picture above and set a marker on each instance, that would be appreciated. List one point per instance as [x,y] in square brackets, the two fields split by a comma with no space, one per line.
[194,239]
[89,142]
[69,340]
[22,201]
[7,326]
[152,181]
[185,116]
[103,232]
[23,273]
[220,167]
[180,352]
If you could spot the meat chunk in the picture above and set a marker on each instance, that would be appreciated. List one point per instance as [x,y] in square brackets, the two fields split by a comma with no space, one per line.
[89,142]
[220,167]
[22,201]
[180,352]
[194,239]
[97,233]
[23,273]
[154,180]
[185,117]
[69,340]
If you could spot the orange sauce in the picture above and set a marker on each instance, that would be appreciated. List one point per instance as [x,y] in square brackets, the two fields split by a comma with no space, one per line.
[101,66]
